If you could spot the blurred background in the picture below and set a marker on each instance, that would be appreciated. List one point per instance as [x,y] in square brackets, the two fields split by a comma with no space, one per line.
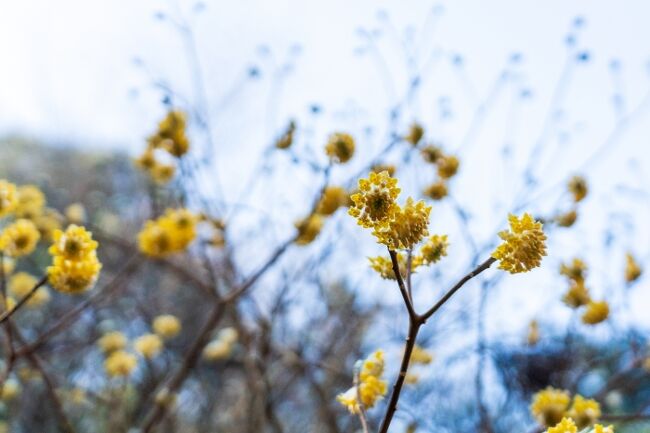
[526,95]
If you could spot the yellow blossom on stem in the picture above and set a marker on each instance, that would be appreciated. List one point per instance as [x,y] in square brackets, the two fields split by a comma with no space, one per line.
[596,312]
[8,197]
[120,363]
[601,429]
[171,233]
[436,191]
[565,426]
[167,326]
[171,134]
[74,243]
[384,265]
[286,139]
[632,269]
[76,213]
[148,345]
[340,147]
[22,283]
[523,245]
[447,166]
[578,188]
[374,204]
[112,341]
[584,412]
[431,154]
[162,173]
[434,249]
[370,388]
[415,134]
[333,197]
[576,270]
[31,201]
[419,355]
[410,224]
[577,295]
[567,219]
[308,229]
[378,168]
[550,405]
[74,276]
[19,238]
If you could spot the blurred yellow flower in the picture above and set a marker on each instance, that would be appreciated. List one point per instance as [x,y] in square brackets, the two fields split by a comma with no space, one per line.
[447,166]
[567,219]
[31,201]
[308,229]
[523,245]
[166,325]
[9,390]
[578,187]
[436,191]
[148,345]
[431,154]
[120,363]
[420,356]
[371,386]
[21,283]
[550,405]
[112,341]
[19,238]
[76,213]
[565,426]
[333,197]
[171,135]
[74,276]
[434,249]
[584,412]
[286,139]
[415,134]
[596,312]
[384,265]
[8,197]
[340,147]
[171,233]
[577,295]
[632,269]
[576,270]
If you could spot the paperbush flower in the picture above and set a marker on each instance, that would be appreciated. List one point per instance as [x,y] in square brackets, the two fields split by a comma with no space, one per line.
[431,154]
[371,386]
[340,147]
[565,426]
[632,269]
[31,201]
[74,276]
[171,233]
[22,283]
[577,295]
[596,312]
[120,363]
[584,412]
[308,229]
[550,405]
[19,238]
[436,191]
[523,245]
[420,356]
[374,205]
[167,326]
[434,249]
[74,243]
[333,197]
[575,271]
[415,134]
[447,166]
[409,225]
[8,197]
[148,345]
[112,341]
[384,265]
[578,188]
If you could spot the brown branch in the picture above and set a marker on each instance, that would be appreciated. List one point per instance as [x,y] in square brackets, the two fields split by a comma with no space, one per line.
[7,314]
[413,316]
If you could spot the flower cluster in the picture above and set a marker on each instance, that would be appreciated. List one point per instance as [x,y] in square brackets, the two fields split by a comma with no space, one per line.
[567,425]
[171,139]
[374,206]
[632,269]
[340,147]
[578,295]
[75,266]
[551,405]
[168,234]
[19,238]
[577,187]
[22,283]
[369,385]
[523,245]
[222,346]
[286,139]
[166,326]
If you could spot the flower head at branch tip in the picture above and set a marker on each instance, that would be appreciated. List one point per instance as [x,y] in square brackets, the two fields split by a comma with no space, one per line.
[523,245]
[415,134]
[308,229]
[8,197]
[148,345]
[436,191]
[374,205]
[340,147]
[19,238]
[120,363]
[73,244]
[431,154]
[566,425]
[333,197]
[447,166]
[434,249]
[550,405]
[578,188]
[577,295]
[166,326]
[584,412]
[112,341]
[409,225]
[567,219]
[575,271]
[171,135]
[384,265]
[596,312]
[370,387]
[31,202]
[286,139]
[171,233]
[632,269]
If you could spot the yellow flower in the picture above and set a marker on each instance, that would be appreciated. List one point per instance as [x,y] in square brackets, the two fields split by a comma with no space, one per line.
[596,312]
[48,222]
[217,350]
[632,269]
[378,168]
[578,187]
[434,249]
[415,134]
[420,356]
[31,201]
[374,204]
[533,333]
[171,233]
[74,276]
[75,243]
[550,405]
[523,245]
[120,363]
[76,213]
[371,387]
[167,326]
[411,379]
[9,390]
[333,198]
[147,160]
[584,411]
[447,166]
[576,270]
[286,139]
[8,265]
[431,154]
[22,283]
[577,295]
[112,341]
[384,265]
[436,191]
[409,226]
[8,197]
[567,219]
[308,229]
[171,134]
[565,426]
[20,238]
[340,147]
[162,173]
[148,345]
[600,429]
